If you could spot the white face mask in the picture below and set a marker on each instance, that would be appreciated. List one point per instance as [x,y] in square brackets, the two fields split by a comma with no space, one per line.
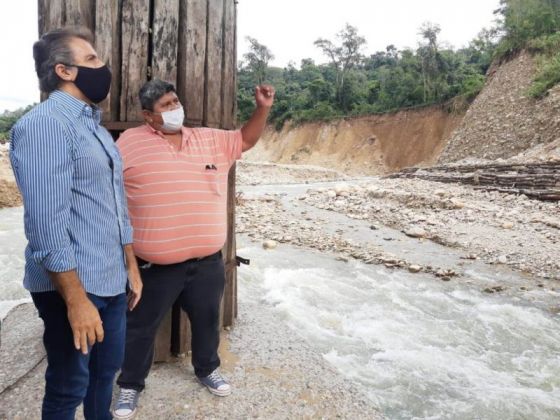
[173,120]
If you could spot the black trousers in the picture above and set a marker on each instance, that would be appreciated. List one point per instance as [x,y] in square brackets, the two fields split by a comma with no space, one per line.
[199,286]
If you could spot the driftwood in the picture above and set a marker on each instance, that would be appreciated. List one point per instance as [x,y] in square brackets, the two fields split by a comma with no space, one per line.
[536,180]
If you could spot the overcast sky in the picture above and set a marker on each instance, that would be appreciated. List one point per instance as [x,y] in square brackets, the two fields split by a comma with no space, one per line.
[287,27]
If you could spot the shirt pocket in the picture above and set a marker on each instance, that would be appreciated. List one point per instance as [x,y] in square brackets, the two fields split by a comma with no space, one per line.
[211,179]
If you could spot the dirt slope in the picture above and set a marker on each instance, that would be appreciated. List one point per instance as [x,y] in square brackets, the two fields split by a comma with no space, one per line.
[364,145]
[503,121]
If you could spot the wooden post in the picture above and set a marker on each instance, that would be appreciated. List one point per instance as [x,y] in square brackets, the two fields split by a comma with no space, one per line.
[191,43]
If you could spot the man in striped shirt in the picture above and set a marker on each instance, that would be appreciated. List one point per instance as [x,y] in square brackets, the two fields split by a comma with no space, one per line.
[79,254]
[176,184]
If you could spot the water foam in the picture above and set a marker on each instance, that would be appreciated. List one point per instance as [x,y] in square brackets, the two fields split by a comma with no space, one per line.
[422,348]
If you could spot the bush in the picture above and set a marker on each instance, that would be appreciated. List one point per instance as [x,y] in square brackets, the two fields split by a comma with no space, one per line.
[472,85]
[547,76]
[546,44]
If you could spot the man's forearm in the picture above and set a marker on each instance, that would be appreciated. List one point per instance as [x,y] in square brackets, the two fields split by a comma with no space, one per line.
[69,286]
[253,129]
[131,263]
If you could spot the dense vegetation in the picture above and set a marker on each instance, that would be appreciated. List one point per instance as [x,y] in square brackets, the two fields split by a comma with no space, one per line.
[350,83]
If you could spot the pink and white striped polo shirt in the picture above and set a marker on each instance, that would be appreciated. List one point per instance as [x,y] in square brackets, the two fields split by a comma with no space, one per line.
[177,198]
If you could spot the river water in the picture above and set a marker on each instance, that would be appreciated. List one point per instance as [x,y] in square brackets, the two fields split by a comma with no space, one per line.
[418,347]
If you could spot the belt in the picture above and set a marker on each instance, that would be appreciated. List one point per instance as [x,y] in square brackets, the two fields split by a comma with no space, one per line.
[146,264]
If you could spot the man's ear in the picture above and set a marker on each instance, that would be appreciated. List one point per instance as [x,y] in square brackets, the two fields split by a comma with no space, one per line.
[65,73]
[147,116]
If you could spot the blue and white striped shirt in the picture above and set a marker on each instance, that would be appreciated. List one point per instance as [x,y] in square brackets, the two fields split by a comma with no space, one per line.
[69,172]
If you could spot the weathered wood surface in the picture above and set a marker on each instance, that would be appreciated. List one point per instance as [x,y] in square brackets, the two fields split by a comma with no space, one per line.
[162,345]
[229,66]
[108,46]
[191,43]
[165,40]
[229,306]
[52,15]
[214,60]
[192,57]
[135,26]
[536,180]
[80,12]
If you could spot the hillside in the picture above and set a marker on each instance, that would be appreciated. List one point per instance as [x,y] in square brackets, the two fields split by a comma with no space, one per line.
[363,145]
[503,121]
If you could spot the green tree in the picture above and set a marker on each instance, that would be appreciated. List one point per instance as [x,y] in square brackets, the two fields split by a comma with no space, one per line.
[257,59]
[344,55]
[8,119]
[523,20]
[430,60]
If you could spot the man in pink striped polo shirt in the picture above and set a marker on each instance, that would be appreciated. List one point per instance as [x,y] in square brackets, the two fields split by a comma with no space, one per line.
[176,185]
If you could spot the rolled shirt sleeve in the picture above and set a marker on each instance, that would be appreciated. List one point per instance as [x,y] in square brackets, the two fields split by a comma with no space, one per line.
[231,143]
[41,158]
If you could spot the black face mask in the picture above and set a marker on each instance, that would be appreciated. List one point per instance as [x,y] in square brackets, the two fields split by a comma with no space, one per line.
[94,83]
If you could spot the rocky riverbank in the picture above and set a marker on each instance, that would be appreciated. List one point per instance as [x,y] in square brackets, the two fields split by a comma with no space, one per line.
[498,229]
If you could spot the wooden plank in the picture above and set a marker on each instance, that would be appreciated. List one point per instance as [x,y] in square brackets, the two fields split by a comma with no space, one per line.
[180,331]
[162,346]
[52,15]
[229,68]
[214,41]
[80,13]
[230,290]
[192,55]
[108,47]
[165,40]
[121,125]
[227,119]
[134,66]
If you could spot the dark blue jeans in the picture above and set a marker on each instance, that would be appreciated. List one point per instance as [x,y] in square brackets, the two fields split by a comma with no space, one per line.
[72,377]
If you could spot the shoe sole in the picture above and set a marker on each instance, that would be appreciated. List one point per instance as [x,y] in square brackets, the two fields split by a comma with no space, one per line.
[127,417]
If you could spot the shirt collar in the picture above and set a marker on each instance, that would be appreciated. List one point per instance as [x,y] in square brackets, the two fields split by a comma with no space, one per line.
[184,130]
[75,106]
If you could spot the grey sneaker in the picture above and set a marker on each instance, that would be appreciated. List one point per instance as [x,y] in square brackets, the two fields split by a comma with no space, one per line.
[216,384]
[127,404]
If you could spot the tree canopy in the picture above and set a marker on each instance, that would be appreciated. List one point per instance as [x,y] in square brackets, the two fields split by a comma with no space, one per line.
[351,83]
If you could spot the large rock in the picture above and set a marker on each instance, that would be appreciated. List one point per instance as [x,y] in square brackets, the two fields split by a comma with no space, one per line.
[21,345]
[416,232]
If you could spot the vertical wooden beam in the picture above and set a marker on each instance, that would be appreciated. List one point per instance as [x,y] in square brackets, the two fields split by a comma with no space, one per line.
[229,303]
[214,42]
[165,40]
[108,47]
[80,13]
[192,54]
[229,66]
[52,15]
[135,37]
[227,121]
[162,344]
